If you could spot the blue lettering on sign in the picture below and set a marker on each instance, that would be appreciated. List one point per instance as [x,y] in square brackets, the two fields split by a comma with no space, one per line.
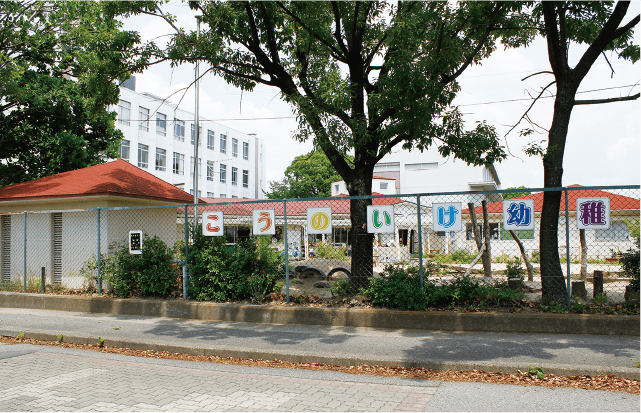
[519,214]
[450,213]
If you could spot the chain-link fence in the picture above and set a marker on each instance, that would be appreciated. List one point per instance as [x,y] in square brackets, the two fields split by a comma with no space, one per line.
[326,243]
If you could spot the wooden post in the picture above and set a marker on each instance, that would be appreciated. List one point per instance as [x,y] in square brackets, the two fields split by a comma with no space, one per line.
[584,255]
[526,260]
[598,283]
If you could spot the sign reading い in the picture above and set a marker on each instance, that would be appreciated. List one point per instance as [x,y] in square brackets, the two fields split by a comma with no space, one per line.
[319,220]
[380,219]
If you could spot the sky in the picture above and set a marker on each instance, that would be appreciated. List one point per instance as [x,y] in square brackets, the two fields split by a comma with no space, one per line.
[603,144]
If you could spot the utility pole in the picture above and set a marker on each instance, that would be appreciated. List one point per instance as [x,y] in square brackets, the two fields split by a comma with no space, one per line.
[196,131]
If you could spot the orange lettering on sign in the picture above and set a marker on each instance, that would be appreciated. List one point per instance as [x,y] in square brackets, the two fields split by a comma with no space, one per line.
[264,217]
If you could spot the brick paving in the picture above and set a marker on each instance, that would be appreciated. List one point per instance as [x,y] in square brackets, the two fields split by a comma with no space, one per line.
[46,380]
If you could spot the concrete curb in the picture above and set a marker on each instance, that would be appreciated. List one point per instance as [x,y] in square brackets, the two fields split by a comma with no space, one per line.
[548,368]
[340,317]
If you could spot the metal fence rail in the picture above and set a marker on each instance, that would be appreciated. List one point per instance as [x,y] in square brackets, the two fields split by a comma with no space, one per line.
[71,249]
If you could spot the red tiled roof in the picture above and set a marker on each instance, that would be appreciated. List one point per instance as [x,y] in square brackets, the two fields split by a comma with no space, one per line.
[294,208]
[617,202]
[117,178]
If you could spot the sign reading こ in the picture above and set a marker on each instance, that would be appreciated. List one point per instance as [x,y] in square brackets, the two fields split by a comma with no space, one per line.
[380,219]
[264,222]
[319,220]
[213,223]
[446,216]
[518,214]
[593,213]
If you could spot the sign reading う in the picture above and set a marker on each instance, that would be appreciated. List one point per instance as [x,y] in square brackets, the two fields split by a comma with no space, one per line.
[264,222]
[380,219]
[213,223]
[319,220]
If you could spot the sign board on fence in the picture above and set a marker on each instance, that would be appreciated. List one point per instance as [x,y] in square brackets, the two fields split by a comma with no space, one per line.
[264,222]
[446,216]
[135,242]
[319,220]
[213,223]
[518,214]
[380,219]
[593,213]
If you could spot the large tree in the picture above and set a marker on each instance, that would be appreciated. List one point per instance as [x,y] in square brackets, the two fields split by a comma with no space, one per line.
[600,26]
[57,63]
[309,176]
[362,77]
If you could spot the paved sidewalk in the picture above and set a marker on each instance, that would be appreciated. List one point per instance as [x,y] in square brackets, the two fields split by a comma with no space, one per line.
[41,378]
[508,352]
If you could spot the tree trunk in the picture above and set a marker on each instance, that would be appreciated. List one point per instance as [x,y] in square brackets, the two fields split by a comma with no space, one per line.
[552,279]
[487,254]
[361,241]
[584,255]
[526,260]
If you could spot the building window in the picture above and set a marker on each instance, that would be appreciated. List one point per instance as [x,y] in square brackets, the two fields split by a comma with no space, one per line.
[494,231]
[245,179]
[336,188]
[223,173]
[124,150]
[420,166]
[191,168]
[210,194]
[161,159]
[223,195]
[234,175]
[143,114]
[234,147]
[161,124]
[143,156]
[234,196]
[200,135]
[179,130]
[179,163]
[191,191]
[383,185]
[124,112]
[618,231]
[223,143]
[210,170]
[211,137]
[245,150]
[521,233]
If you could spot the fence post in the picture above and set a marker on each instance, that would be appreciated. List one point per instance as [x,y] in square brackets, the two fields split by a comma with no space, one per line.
[42,279]
[185,275]
[99,273]
[420,240]
[25,252]
[286,252]
[567,247]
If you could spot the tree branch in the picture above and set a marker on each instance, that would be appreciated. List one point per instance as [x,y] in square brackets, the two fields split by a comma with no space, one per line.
[609,100]
[528,109]
[537,73]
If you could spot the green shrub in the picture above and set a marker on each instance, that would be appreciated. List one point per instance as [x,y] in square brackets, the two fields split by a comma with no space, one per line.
[536,257]
[462,256]
[326,250]
[342,288]
[149,273]
[514,269]
[397,288]
[630,259]
[220,273]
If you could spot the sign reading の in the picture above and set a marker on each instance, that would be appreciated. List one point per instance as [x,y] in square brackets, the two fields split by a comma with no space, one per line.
[319,220]
[264,222]
[380,219]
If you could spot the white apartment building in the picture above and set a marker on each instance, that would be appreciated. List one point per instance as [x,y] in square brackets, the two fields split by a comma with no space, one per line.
[159,138]
[415,172]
